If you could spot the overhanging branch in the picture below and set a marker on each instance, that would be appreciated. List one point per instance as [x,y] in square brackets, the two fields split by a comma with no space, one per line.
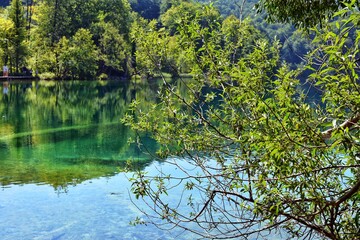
[347,124]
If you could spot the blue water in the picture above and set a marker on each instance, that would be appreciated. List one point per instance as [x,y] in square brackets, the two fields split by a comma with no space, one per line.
[95,209]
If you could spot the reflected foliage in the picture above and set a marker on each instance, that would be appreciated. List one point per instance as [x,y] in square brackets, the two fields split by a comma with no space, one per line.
[62,133]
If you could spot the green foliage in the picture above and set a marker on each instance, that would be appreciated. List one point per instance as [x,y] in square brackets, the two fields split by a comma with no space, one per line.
[150,40]
[55,20]
[79,57]
[118,13]
[239,37]
[338,76]
[246,136]
[75,57]
[12,46]
[6,30]
[239,8]
[301,13]
[114,49]
[63,55]
[42,57]
[47,76]
[156,50]
[186,12]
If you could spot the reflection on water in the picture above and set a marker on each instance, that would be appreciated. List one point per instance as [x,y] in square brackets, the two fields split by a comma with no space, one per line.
[62,133]
[62,147]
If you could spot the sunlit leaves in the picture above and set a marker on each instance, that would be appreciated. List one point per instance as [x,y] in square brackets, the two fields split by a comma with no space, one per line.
[77,56]
[12,42]
[262,151]
[156,50]
[6,33]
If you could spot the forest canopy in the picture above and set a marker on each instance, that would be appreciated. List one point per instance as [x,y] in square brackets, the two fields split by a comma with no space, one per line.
[39,36]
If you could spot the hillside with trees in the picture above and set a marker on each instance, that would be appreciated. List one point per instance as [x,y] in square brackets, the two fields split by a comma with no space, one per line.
[80,39]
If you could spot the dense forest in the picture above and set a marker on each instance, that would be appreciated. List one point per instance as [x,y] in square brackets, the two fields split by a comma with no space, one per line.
[80,39]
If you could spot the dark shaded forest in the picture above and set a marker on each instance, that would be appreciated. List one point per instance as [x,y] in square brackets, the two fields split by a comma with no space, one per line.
[4,3]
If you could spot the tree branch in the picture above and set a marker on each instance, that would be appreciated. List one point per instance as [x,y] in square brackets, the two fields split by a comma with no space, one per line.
[349,193]
[347,124]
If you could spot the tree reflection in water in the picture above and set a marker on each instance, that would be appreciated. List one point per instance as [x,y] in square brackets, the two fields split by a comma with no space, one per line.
[63,133]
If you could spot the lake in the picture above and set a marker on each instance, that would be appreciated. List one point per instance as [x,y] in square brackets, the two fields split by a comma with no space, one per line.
[62,152]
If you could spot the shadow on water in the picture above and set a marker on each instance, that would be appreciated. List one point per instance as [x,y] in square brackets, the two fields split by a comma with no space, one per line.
[63,133]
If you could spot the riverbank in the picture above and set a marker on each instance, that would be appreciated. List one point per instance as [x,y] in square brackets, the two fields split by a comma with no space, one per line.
[9,78]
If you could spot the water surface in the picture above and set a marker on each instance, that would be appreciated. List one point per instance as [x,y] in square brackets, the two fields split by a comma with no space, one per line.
[62,151]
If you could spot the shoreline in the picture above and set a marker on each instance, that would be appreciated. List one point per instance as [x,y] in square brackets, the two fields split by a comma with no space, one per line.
[9,78]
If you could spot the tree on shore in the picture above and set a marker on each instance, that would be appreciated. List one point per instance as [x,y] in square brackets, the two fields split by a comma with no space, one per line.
[254,152]
[16,41]
[6,30]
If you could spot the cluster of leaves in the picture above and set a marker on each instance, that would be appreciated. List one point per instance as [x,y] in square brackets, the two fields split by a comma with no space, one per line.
[259,153]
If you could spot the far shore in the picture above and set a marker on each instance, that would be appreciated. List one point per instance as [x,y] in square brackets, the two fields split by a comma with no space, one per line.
[9,78]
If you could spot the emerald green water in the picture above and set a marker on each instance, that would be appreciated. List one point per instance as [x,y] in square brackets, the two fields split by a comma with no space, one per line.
[62,149]
[60,133]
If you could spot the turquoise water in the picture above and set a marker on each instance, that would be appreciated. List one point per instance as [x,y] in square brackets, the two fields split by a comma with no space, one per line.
[62,151]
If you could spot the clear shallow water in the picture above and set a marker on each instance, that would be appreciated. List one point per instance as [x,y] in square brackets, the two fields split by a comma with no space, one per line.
[62,149]
[95,209]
